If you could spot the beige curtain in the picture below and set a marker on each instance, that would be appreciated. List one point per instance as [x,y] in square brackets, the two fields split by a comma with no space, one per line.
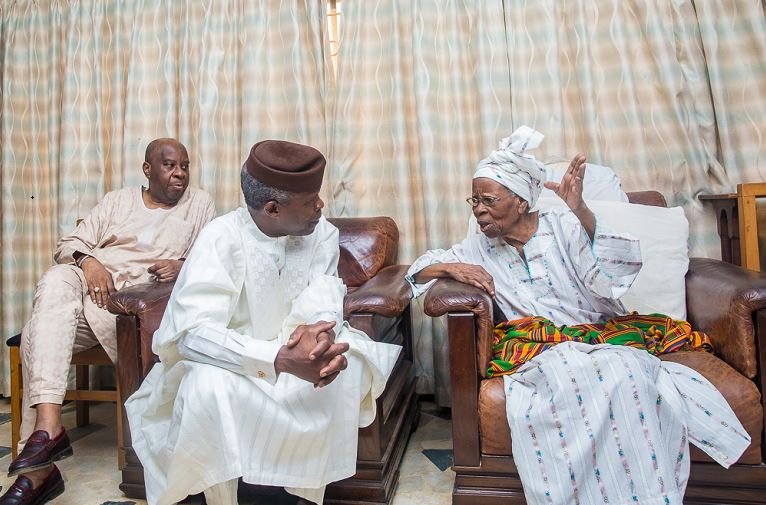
[667,92]
[422,92]
[87,84]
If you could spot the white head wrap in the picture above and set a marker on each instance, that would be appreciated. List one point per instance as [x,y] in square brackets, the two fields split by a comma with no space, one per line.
[511,167]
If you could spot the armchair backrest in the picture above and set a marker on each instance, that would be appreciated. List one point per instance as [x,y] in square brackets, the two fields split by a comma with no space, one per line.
[367,245]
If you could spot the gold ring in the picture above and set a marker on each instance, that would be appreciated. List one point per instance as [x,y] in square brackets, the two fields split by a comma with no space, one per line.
[96,289]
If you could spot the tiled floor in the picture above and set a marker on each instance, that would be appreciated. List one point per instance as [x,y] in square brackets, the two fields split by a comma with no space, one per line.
[92,477]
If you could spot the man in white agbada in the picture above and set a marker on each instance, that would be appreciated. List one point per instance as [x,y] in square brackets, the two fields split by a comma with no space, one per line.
[134,235]
[590,423]
[259,376]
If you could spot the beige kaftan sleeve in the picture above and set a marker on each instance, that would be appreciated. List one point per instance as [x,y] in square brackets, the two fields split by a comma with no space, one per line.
[87,234]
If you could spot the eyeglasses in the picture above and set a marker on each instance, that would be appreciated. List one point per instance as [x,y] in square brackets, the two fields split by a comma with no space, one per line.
[487,201]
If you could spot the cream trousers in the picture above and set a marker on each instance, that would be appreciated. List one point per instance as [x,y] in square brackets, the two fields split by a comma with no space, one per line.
[64,321]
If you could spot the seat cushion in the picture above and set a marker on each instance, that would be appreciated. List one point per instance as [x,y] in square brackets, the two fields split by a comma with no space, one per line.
[741,393]
[494,432]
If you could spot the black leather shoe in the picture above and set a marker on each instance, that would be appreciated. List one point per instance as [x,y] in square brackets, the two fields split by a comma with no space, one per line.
[22,493]
[40,452]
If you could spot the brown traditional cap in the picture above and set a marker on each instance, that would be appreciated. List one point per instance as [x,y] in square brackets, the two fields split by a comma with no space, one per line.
[287,166]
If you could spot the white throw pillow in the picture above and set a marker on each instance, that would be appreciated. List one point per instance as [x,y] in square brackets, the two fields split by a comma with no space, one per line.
[600,183]
[664,234]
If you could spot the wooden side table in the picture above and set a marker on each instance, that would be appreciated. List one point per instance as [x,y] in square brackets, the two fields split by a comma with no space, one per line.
[737,224]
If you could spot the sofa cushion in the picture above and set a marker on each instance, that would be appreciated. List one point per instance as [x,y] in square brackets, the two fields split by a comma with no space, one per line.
[741,393]
[494,432]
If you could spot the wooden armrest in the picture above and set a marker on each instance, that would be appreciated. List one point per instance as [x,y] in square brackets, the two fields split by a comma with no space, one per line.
[386,294]
[721,300]
[448,296]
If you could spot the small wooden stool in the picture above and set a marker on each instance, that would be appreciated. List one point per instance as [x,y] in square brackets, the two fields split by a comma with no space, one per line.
[82,396]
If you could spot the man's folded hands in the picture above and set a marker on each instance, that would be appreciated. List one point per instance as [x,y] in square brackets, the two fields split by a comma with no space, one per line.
[312,354]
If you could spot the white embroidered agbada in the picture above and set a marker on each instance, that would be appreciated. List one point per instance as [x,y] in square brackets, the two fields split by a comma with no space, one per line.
[589,423]
[214,409]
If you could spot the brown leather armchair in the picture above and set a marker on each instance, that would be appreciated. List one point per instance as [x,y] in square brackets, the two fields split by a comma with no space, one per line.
[378,303]
[723,300]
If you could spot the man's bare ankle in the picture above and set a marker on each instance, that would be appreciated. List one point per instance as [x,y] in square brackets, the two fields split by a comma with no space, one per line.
[48,418]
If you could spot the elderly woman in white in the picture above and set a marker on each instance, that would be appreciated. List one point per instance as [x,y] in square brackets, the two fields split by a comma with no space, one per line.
[590,423]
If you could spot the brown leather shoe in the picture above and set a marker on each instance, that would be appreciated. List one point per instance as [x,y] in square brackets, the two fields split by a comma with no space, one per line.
[22,493]
[40,452]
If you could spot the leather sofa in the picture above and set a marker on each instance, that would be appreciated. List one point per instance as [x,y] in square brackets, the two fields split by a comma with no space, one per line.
[378,303]
[723,300]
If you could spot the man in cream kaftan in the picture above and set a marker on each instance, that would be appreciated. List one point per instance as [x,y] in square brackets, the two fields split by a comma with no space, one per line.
[133,235]
[589,423]
[216,408]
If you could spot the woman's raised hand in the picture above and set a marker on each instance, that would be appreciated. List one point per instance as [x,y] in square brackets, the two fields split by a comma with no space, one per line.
[570,187]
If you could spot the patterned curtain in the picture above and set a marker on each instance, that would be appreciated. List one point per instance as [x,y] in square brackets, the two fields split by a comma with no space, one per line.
[667,92]
[87,84]
[422,90]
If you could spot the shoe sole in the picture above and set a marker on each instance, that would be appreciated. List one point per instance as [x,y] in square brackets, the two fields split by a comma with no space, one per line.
[56,457]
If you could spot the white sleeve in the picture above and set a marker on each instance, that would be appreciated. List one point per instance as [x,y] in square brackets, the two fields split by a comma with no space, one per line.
[88,233]
[455,254]
[609,264]
[195,324]
[232,351]
[317,302]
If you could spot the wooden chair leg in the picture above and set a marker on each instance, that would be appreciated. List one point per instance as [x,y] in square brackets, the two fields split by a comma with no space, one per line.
[16,392]
[82,407]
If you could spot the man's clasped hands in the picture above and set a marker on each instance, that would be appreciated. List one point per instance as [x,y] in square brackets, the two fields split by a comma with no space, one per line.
[312,354]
